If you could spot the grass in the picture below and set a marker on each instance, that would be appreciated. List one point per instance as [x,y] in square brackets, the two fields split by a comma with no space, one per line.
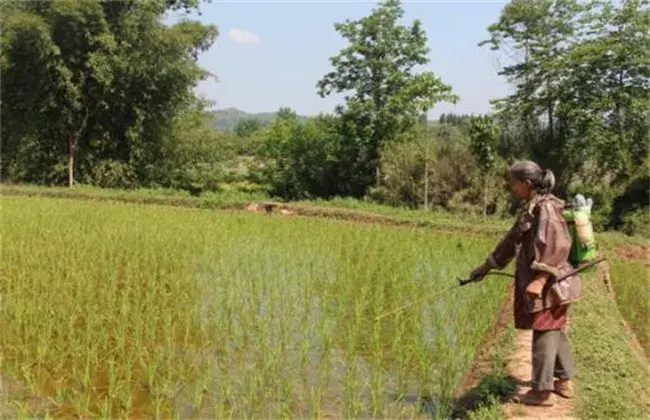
[493,389]
[227,198]
[347,209]
[630,281]
[118,310]
[611,240]
[613,381]
[341,208]
[439,217]
[483,401]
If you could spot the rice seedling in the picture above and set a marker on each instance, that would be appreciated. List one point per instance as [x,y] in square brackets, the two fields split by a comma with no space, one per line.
[119,310]
[630,279]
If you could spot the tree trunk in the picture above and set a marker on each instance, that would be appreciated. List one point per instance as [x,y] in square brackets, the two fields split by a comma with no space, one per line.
[551,125]
[485,196]
[73,141]
[426,184]
[617,111]
[378,176]
[70,161]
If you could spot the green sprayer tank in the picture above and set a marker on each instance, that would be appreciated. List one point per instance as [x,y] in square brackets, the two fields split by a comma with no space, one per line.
[577,215]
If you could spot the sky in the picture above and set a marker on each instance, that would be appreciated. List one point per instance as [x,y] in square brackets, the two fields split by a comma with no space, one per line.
[271,54]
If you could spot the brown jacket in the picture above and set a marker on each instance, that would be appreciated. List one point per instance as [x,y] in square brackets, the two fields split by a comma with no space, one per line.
[541,240]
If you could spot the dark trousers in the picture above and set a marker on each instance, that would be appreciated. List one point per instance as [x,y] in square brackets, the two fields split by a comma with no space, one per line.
[552,358]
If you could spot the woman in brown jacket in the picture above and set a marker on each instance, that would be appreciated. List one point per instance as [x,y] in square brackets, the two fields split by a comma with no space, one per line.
[541,240]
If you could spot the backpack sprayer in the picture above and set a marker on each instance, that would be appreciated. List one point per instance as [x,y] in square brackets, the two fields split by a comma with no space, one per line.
[583,253]
[583,244]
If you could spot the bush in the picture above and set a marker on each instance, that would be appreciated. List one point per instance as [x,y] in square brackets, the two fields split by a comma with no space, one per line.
[194,156]
[630,209]
[403,168]
[111,174]
[636,222]
[302,157]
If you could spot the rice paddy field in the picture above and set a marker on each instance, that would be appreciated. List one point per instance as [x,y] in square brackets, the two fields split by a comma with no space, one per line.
[632,289]
[119,310]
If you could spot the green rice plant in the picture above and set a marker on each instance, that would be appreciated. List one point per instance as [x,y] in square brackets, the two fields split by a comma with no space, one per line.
[630,280]
[119,310]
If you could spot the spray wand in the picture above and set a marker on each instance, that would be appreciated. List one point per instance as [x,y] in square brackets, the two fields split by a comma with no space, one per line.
[463,282]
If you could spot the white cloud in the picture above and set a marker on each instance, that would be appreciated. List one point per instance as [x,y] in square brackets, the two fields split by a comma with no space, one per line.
[237,36]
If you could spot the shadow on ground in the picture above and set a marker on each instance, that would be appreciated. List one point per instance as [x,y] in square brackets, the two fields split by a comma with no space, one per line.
[491,387]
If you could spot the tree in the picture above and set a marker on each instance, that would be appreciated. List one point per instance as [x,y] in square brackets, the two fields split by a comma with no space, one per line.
[303,156]
[384,94]
[193,155]
[537,35]
[247,126]
[407,164]
[584,68]
[608,96]
[96,81]
[484,134]
[581,104]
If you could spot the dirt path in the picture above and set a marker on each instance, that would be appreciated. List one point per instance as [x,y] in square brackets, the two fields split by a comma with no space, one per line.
[519,366]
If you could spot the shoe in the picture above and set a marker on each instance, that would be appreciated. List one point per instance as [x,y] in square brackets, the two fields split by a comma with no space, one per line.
[536,398]
[564,388]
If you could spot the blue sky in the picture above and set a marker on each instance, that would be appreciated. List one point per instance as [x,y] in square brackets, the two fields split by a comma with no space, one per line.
[272,53]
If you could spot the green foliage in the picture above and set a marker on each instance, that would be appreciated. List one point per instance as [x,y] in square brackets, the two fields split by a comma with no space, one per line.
[95,81]
[582,97]
[494,386]
[386,96]
[248,126]
[436,167]
[636,221]
[484,135]
[105,89]
[110,173]
[407,166]
[614,65]
[454,119]
[193,154]
[303,156]
[608,363]
[537,35]
[630,211]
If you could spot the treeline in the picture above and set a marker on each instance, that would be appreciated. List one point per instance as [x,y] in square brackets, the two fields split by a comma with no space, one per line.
[101,93]
[90,89]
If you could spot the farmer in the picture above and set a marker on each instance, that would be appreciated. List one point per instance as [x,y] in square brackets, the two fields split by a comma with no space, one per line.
[542,239]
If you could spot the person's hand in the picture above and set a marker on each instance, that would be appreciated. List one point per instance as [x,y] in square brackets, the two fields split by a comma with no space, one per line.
[479,273]
[534,289]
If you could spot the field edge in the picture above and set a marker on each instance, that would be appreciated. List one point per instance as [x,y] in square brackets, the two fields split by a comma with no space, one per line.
[253,203]
[613,378]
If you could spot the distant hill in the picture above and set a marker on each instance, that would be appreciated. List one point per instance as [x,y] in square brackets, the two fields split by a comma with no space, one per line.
[226,119]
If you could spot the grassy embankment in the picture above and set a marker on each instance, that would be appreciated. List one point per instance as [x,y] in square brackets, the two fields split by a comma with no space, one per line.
[613,378]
